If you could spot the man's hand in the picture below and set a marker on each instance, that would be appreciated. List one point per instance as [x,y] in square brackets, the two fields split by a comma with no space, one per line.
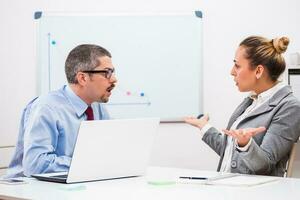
[243,136]
[197,122]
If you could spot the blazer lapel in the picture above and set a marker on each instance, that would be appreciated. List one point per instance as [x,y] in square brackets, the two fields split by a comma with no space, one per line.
[239,110]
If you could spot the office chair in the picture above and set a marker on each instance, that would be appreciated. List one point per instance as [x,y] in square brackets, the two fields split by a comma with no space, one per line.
[289,166]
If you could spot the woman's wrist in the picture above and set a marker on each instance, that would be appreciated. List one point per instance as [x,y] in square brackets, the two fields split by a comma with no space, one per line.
[205,127]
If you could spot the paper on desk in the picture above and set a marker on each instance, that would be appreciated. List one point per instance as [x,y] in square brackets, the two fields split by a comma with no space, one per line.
[243,180]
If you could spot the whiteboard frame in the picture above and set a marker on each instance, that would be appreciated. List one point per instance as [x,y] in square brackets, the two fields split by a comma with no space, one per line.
[46,84]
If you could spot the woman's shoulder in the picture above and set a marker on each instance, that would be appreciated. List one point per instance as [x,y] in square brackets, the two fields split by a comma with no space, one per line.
[290,102]
[285,96]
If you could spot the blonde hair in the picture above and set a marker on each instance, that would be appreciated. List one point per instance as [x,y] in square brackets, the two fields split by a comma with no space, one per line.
[265,52]
[280,44]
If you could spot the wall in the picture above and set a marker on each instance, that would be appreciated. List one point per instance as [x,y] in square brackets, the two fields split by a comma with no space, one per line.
[226,23]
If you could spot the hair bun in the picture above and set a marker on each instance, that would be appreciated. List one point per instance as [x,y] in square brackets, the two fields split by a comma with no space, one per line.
[281,44]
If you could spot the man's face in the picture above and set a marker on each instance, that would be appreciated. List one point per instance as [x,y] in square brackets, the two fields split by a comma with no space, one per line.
[99,87]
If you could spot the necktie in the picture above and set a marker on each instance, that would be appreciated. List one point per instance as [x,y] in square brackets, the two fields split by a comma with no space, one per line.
[89,113]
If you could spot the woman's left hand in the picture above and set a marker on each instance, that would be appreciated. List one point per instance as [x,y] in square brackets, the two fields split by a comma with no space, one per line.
[243,136]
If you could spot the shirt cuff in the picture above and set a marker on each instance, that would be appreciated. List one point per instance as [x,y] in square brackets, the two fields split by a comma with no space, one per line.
[244,148]
[205,128]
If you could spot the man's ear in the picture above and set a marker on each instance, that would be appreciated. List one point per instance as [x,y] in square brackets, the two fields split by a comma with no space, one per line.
[259,71]
[82,78]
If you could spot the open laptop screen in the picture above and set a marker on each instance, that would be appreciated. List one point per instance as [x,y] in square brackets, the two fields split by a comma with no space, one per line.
[108,149]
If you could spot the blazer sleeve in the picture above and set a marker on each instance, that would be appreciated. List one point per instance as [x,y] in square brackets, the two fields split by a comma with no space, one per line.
[283,131]
[215,140]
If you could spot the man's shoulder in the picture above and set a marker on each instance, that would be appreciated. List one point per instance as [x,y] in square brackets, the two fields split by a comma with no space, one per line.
[53,98]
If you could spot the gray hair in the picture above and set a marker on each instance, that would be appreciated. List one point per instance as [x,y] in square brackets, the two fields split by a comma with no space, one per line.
[83,57]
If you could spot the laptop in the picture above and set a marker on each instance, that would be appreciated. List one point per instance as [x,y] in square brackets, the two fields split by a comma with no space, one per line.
[109,149]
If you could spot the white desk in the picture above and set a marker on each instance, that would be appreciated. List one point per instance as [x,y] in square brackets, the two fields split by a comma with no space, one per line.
[138,188]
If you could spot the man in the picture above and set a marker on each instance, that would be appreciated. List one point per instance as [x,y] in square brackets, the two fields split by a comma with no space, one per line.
[50,123]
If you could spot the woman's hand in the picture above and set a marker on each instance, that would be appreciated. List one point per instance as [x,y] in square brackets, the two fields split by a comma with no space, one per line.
[243,136]
[197,122]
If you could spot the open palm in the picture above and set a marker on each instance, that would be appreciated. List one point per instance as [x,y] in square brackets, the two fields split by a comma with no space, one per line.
[243,136]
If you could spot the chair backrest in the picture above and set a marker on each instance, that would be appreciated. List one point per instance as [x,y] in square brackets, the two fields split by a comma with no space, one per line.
[289,166]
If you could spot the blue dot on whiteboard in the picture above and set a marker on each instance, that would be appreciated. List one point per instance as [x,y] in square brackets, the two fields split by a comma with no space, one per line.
[53,42]
[142,94]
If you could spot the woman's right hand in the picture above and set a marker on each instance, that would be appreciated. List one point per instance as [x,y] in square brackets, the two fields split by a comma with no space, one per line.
[199,123]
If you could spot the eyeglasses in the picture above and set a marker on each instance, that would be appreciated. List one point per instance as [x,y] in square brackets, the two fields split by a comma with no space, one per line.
[107,73]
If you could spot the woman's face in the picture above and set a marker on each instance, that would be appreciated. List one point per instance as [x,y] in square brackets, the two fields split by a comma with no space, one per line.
[244,76]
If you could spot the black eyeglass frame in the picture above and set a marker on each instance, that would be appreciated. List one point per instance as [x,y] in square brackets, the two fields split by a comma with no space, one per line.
[107,72]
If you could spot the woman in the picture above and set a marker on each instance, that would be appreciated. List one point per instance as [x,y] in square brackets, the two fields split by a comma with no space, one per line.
[263,128]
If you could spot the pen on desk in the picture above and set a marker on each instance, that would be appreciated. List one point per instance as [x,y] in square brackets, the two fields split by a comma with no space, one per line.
[193,178]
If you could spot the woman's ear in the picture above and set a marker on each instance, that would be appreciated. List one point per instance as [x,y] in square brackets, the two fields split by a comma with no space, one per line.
[259,71]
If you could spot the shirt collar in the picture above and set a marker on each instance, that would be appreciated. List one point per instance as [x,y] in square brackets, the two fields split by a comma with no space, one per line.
[266,94]
[77,103]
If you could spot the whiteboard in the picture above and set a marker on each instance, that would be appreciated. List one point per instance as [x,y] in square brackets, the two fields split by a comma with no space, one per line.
[158,58]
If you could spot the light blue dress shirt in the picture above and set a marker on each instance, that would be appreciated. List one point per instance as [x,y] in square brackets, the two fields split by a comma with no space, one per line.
[48,133]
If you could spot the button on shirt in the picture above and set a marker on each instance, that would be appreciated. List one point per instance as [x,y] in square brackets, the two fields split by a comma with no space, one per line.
[48,132]
[231,144]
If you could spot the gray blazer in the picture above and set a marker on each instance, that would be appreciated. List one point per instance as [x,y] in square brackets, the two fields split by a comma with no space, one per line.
[269,151]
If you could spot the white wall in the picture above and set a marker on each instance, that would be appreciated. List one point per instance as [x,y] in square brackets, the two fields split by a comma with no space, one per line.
[226,23]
